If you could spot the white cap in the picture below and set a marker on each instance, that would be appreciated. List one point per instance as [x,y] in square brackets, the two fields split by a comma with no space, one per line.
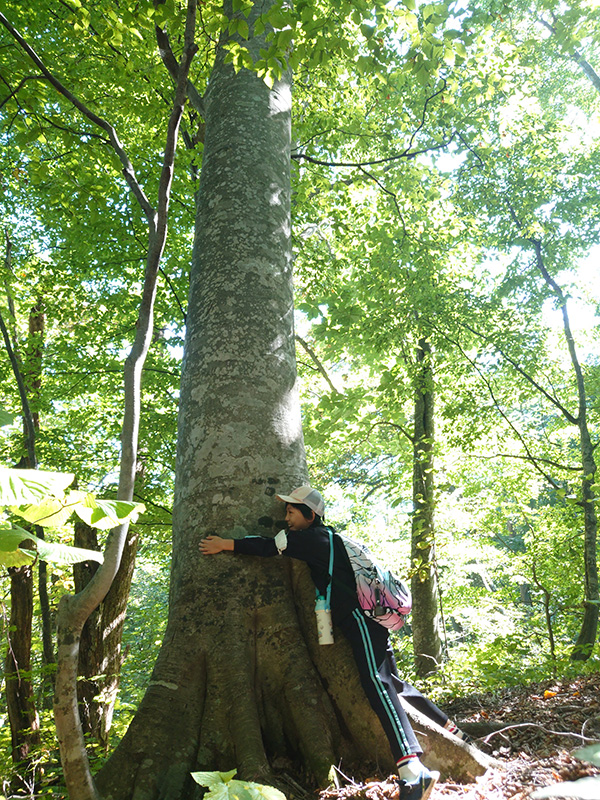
[306,495]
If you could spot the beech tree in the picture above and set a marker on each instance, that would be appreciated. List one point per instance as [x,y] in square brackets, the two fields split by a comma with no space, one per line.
[240,678]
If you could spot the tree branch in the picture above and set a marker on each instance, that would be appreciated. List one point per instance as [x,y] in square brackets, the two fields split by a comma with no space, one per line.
[529,378]
[547,461]
[318,363]
[22,83]
[562,301]
[73,611]
[577,57]
[373,162]
[404,154]
[530,457]
[170,62]
[128,170]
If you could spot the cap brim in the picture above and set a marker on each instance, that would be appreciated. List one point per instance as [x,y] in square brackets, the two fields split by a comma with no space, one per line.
[287,499]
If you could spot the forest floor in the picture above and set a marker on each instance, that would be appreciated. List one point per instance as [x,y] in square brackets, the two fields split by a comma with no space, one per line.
[539,728]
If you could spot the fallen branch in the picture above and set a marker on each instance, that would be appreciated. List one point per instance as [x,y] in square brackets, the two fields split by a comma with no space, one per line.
[541,727]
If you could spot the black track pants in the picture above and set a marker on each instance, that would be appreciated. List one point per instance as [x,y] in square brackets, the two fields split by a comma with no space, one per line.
[379,676]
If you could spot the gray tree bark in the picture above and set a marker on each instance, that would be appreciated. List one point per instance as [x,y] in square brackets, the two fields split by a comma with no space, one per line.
[240,680]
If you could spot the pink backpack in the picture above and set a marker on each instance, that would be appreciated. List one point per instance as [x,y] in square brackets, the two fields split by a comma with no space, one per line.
[381,595]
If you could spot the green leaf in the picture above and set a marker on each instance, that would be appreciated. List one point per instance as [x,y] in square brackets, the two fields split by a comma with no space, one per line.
[10,553]
[11,539]
[21,486]
[268,792]
[212,779]
[449,56]
[106,514]
[367,30]
[222,787]
[51,512]
[590,753]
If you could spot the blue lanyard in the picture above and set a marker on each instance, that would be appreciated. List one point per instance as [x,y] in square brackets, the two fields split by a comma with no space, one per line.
[328,593]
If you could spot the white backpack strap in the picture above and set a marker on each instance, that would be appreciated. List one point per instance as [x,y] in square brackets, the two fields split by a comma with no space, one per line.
[281,541]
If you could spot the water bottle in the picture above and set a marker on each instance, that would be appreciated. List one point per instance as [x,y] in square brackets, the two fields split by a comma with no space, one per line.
[324,624]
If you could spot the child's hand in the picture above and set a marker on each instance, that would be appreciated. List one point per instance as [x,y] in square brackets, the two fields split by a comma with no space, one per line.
[214,544]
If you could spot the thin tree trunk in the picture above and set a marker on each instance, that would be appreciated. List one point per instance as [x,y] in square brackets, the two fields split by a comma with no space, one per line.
[22,714]
[91,649]
[425,619]
[73,611]
[23,718]
[584,644]
[32,378]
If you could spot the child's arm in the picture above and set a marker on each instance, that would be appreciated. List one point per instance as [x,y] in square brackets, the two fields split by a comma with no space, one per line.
[214,544]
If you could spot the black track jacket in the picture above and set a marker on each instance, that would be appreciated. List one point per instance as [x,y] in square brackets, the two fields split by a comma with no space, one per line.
[312,546]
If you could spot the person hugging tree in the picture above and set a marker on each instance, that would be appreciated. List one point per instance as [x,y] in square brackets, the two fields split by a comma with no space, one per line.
[308,539]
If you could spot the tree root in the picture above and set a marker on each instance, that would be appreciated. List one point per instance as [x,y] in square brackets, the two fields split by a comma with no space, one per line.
[445,752]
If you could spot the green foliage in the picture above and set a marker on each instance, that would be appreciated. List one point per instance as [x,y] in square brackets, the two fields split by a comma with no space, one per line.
[46,766]
[53,508]
[13,554]
[147,612]
[21,486]
[221,786]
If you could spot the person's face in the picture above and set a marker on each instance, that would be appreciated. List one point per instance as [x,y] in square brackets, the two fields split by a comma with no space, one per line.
[295,519]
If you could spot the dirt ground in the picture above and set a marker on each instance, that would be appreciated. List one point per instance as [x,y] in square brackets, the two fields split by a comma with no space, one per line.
[534,731]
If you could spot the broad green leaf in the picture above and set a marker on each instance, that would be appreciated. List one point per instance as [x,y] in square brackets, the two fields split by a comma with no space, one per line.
[221,791]
[51,512]
[106,514]
[21,486]
[211,779]
[223,787]
[269,792]
[10,553]
[11,539]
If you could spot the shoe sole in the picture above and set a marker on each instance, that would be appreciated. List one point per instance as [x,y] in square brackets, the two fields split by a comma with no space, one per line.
[434,779]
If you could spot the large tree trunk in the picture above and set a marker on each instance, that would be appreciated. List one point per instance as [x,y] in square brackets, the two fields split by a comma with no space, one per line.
[240,681]
[425,619]
[235,684]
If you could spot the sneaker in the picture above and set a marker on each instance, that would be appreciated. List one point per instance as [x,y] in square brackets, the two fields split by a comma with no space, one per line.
[420,788]
[465,737]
